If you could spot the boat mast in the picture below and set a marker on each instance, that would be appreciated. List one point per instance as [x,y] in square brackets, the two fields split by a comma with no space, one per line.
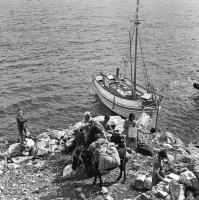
[137,22]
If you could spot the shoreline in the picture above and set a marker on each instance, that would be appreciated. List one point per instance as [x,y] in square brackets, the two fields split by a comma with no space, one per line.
[42,177]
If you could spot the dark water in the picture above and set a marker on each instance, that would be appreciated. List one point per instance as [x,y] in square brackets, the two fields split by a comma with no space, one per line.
[49,49]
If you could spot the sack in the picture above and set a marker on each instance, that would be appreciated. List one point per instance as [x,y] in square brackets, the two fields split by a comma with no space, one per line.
[108,157]
[132,132]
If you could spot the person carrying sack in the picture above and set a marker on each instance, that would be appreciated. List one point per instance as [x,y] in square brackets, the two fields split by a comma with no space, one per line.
[130,131]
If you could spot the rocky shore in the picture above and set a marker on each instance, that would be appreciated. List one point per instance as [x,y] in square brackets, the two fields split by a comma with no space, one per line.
[37,173]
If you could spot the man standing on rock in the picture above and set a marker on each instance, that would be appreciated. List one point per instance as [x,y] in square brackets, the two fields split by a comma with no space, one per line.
[21,123]
[158,169]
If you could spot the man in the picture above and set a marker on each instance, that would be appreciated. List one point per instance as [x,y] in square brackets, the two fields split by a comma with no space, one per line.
[158,168]
[105,123]
[128,123]
[21,123]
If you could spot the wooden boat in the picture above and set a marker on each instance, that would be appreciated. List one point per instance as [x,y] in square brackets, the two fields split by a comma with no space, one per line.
[124,95]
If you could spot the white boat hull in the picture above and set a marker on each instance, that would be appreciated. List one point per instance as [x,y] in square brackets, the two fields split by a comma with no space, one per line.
[123,106]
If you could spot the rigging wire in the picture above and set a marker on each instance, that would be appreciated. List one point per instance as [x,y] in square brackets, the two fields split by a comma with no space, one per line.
[131,38]
[148,80]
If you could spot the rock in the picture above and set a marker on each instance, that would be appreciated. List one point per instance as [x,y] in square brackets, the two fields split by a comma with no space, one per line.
[142,196]
[162,193]
[109,197]
[46,145]
[68,172]
[148,183]
[42,152]
[197,197]
[40,164]
[79,189]
[167,137]
[194,152]
[196,171]
[15,148]
[176,191]
[190,196]
[139,181]
[56,134]
[104,190]
[189,179]
[187,159]
[82,195]
[12,166]
[167,146]
[174,176]
[3,166]
[171,158]
[21,160]
[29,144]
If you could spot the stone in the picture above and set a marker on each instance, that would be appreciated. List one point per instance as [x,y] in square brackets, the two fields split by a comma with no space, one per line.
[29,144]
[190,196]
[173,176]
[56,134]
[139,181]
[68,172]
[148,183]
[15,148]
[167,146]
[189,179]
[142,196]
[40,164]
[187,159]
[176,190]
[104,190]
[194,152]
[82,195]
[171,158]
[162,193]
[79,189]
[12,166]
[196,171]
[108,197]
[21,160]
[167,137]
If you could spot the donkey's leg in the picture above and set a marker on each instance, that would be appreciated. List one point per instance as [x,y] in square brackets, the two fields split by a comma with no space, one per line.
[95,172]
[124,169]
[100,177]
[120,173]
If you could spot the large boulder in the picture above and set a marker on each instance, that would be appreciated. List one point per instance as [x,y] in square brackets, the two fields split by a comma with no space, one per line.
[176,190]
[194,152]
[15,148]
[46,145]
[189,179]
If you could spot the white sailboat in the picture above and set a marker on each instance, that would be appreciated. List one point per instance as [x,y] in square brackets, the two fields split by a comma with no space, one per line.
[123,95]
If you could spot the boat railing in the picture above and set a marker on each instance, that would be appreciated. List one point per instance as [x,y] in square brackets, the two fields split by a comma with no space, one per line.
[148,90]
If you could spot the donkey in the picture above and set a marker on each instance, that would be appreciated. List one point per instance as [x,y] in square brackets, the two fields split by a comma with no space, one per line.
[87,158]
